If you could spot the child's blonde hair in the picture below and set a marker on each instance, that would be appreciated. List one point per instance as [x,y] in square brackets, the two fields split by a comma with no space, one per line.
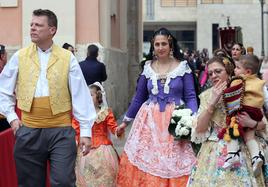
[251,62]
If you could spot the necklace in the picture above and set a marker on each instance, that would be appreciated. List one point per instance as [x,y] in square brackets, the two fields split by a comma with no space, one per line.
[162,76]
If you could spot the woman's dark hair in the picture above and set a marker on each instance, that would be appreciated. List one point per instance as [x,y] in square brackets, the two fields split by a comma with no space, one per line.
[2,50]
[173,44]
[98,92]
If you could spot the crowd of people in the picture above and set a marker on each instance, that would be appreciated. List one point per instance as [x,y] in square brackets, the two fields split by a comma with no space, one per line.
[65,118]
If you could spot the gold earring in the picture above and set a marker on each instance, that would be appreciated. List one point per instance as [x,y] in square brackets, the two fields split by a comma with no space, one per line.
[171,54]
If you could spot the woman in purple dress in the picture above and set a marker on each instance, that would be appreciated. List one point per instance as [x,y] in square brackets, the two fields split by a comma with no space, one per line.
[151,157]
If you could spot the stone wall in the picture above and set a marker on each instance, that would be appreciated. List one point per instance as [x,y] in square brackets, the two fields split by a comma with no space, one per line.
[117,83]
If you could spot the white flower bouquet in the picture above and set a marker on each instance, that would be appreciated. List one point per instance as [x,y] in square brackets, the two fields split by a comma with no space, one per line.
[181,123]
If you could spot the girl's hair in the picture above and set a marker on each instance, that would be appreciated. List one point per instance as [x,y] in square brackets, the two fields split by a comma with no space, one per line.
[225,62]
[98,92]
[173,44]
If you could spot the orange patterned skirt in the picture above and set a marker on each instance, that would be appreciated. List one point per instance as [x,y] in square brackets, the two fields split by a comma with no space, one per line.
[129,175]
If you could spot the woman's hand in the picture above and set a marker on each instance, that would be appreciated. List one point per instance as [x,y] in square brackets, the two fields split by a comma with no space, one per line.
[245,120]
[120,129]
[217,92]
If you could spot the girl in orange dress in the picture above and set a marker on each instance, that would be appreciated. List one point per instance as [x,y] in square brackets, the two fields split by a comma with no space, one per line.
[100,166]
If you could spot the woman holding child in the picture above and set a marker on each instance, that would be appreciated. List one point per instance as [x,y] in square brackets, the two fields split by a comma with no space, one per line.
[210,120]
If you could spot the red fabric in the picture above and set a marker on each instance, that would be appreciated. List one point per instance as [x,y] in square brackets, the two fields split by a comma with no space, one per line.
[234,89]
[76,126]
[228,35]
[8,176]
[254,113]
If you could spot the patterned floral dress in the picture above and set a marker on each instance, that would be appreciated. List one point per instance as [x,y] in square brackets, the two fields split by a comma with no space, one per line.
[151,157]
[208,171]
[100,166]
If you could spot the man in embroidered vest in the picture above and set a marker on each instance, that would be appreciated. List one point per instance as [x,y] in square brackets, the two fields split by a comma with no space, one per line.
[49,87]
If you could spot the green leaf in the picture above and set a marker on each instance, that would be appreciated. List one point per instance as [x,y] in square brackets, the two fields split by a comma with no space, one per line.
[171,129]
[196,148]
[176,118]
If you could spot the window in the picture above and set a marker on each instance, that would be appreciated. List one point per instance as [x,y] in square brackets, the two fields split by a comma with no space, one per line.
[150,9]
[178,3]
[147,36]
[186,39]
[8,3]
[211,1]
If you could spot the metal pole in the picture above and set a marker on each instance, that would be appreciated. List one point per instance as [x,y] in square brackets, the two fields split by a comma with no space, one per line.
[262,30]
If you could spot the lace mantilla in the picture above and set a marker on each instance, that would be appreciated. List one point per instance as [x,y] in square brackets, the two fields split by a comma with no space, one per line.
[149,73]
[102,114]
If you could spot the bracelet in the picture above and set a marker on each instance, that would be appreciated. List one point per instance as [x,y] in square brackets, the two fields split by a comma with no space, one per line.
[126,122]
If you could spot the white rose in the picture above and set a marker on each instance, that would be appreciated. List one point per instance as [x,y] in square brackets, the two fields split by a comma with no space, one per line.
[183,120]
[189,121]
[177,130]
[176,113]
[180,132]
[185,131]
[185,112]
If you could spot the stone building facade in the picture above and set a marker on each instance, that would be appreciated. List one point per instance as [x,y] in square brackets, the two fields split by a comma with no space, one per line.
[114,25]
[195,22]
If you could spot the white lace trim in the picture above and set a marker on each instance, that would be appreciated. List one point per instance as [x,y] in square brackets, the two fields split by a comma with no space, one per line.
[150,148]
[199,137]
[102,114]
[149,73]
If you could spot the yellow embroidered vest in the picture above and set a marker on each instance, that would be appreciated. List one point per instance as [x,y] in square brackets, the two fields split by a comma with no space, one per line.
[254,95]
[57,75]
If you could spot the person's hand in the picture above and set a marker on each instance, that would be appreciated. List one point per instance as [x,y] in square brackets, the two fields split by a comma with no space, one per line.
[120,129]
[217,92]
[245,120]
[85,145]
[15,125]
